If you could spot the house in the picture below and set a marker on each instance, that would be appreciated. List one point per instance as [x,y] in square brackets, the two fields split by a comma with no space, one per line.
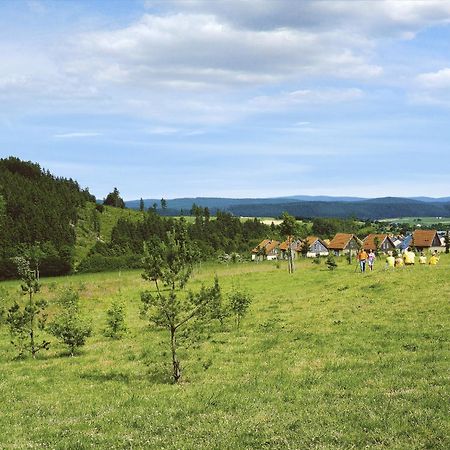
[267,249]
[383,242]
[295,245]
[316,247]
[426,240]
[344,243]
[406,243]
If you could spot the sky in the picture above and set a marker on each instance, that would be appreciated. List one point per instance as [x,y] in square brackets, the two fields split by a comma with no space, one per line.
[230,98]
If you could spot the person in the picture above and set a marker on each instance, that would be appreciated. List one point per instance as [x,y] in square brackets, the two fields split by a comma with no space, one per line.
[390,262]
[422,259]
[371,259]
[409,257]
[434,259]
[362,258]
[399,261]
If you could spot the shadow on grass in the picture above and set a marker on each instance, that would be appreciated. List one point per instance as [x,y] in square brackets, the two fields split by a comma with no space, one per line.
[101,377]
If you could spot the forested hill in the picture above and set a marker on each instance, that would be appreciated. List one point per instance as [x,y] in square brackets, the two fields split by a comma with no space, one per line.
[38,213]
[381,208]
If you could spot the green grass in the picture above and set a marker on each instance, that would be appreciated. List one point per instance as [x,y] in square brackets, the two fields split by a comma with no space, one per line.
[419,220]
[324,360]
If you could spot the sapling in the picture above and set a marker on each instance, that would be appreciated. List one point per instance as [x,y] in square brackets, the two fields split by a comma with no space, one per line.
[239,304]
[115,321]
[331,262]
[169,265]
[25,321]
[69,326]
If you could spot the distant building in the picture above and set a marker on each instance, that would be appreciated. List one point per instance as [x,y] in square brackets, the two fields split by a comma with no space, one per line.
[267,249]
[384,241]
[344,243]
[427,240]
[295,245]
[316,247]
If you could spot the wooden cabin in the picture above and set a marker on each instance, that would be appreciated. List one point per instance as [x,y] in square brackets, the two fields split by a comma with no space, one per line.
[316,247]
[344,243]
[267,249]
[424,240]
[384,241]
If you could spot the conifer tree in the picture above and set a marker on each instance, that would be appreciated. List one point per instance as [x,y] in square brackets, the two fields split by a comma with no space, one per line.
[25,321]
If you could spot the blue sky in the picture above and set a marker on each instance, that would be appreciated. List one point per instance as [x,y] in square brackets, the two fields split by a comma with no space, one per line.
[237,98]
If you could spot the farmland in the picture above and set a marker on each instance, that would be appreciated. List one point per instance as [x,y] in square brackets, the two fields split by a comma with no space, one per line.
[323,360]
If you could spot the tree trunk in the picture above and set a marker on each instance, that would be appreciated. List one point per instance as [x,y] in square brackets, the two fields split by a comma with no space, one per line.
[175,362]
[32,346]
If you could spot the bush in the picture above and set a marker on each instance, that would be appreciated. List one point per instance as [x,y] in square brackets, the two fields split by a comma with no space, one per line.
[115,322]
[69,326]
[101,263]
[331,262]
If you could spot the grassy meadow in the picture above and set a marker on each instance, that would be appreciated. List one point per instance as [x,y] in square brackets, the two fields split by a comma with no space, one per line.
[324,360]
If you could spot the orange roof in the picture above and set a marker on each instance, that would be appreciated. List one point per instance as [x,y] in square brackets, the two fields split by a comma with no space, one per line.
[369,241]
[424,238]
[267,244]
[341,240]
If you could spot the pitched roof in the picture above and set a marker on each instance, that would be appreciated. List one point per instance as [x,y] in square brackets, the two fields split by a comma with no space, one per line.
[267,244]
[312,239]
[341,240]
[424,238]
[369,241]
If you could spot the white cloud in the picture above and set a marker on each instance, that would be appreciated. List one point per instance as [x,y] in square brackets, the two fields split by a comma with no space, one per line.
[435,80]
[79,134]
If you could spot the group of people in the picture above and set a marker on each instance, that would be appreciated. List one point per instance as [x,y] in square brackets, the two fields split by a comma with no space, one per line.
[407,259]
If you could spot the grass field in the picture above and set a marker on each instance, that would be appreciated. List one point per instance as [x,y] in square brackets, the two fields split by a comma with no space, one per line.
[324,360]
[426,221]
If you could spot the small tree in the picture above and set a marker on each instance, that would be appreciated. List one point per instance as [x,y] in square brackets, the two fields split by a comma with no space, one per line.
[70,327]
[115,322]
[141,205]
[169,265]
[239,304]
[163,204]
[24,322]
[217,309]
[304,247]
[331,262]
[289,228]
[4,297]
[447,241]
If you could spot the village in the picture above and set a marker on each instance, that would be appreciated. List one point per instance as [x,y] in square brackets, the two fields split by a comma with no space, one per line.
[428,241]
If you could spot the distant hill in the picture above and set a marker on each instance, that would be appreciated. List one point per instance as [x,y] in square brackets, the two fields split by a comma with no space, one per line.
[312,206]
[215,203]
[383,208]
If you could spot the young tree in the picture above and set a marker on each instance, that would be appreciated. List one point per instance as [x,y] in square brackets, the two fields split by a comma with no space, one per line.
[163,204]
[447,242]
[169,265]
[239,304]
[70,327]
[304,247]
[115,322]
[24,322]
[4,297]
[141,205]
[288,228]
[331,262]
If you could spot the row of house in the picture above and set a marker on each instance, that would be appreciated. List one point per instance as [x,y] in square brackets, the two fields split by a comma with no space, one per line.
[344,243]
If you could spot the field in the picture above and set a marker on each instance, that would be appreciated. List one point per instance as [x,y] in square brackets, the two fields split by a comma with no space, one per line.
[425,221]
[324,360]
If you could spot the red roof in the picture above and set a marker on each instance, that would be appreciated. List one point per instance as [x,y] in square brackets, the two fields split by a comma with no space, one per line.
[267,244]
[369,241]
[341,240]
[425,238]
